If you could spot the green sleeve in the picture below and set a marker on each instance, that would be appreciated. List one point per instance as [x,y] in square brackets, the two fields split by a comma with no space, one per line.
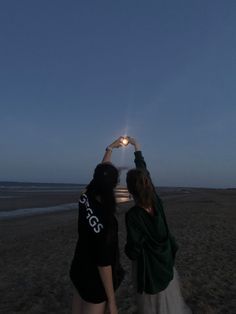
[141,164]
[139,160]
[135,239]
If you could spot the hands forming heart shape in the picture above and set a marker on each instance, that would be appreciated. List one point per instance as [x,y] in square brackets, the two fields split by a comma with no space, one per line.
[123,141]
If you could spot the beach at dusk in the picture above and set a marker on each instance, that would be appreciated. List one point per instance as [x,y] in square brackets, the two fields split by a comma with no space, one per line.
[110,97]
[36,251]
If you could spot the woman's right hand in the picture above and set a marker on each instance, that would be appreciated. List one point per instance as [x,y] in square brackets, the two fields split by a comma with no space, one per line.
[117,143]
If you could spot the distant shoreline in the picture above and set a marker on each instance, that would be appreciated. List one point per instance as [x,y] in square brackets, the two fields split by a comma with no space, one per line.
[29,183]
[9,183]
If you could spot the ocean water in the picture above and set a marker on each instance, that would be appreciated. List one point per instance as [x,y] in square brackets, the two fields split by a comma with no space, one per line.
[17,193]
[19,187]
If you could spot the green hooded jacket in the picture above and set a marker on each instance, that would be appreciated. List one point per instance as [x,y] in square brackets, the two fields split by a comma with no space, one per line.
[150,243]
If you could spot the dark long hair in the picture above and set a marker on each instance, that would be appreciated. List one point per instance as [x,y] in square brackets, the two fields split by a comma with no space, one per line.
[105,179]
[140,186]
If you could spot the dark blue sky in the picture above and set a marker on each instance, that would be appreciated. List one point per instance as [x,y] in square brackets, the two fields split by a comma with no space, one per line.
[75,75]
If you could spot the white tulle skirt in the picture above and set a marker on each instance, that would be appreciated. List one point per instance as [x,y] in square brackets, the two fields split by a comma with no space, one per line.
[168,301]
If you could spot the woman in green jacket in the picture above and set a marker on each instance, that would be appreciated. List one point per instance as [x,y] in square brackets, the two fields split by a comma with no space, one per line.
[151,246]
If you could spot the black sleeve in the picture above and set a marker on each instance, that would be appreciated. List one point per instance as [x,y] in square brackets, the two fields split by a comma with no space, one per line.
[103,250]
[103,256]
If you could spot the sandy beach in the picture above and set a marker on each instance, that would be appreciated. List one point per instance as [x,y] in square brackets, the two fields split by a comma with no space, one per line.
[36,252]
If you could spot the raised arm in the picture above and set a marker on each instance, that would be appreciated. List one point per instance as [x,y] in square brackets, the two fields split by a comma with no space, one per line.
[139,160]
[116,144]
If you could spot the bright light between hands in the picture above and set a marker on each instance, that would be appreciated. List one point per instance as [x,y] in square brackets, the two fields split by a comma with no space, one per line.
[125,141]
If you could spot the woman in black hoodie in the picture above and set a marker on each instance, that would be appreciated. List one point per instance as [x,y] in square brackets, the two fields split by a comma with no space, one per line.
[95,265]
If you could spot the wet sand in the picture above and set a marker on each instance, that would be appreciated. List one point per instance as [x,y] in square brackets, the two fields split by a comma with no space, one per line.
[36,252]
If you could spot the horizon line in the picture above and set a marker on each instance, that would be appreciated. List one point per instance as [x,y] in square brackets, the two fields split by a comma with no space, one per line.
[122,185]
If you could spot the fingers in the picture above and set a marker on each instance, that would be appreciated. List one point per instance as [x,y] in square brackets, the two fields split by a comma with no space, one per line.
[131,140]
[123,141]
[117,143]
